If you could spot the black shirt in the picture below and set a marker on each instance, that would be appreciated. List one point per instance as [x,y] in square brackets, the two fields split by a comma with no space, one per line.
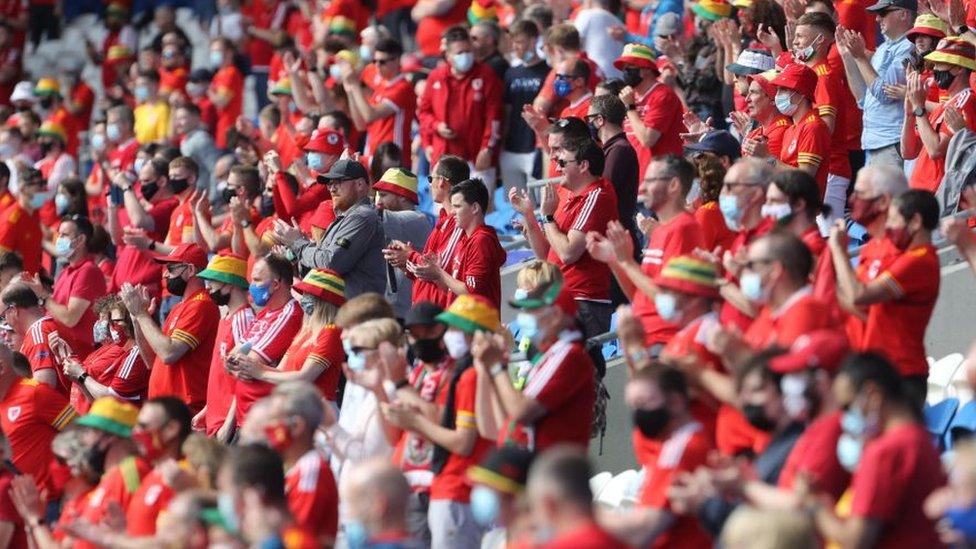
[622,171]
[497,64]
[522,84]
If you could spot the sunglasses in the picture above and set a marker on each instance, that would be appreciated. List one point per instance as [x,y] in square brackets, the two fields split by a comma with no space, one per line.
[561,162]
[382,61]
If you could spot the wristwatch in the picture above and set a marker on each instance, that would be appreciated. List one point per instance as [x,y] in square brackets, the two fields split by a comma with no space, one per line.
[548,219]
[152,245]
[919,111]
[496,369]
[632,107]
[961,30]
[402,383]
[246,223]
[81,378]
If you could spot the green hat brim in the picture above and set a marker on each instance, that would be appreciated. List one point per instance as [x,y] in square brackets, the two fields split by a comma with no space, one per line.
[465,325]
[217,276]
[104,424]
[46,93]
[702,12]
[55,135]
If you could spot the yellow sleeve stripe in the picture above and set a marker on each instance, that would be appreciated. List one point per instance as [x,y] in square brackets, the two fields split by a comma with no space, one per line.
[64,418]
[319,359]
[827,110]
[892,285]
[186,337]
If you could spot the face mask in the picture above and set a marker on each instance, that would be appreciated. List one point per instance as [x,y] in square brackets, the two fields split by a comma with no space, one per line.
[485,505]
[528,326]
[752,287]
[651,423]
[808,52]
[38,199]
[315,161]
[430,351]
[176,285]
[178,185]
[118,337]
[141,94]
[335,72]
[267,205]
[365,53]
[216,59]
[355,361]
[776,211]
[963,520]
[196,90]
[95,459]
[356,534]
[307,303]
[729,205]
[862,210]
[793,387]
[45,147]
[98,142]
[225,505]
[900,237]
[61,203]
[462,62]
[46,103]
[62,246]
[220,298]
[227,194]
[138,164]
[113,132]
[943,79]
[520,294]
[632,76]
[756,416]
[7,151]
[666,305]
[148,444]
[456,343]
[783,103]
[260,294]
[528,56]
[562,87]
[149,190]
[849,449]
[278,435]
[100,331]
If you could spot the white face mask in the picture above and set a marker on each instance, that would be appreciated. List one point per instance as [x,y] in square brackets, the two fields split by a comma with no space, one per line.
[462,62]
[456,343]
[776,211]
[793,386]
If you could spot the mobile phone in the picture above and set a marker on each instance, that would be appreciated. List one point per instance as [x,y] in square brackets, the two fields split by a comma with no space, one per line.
[115,194]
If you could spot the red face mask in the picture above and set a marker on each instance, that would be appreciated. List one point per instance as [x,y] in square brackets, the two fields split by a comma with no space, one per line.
[862,210]
[279,436]
[148,444]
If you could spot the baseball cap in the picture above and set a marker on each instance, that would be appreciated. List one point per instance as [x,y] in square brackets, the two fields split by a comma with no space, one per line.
[799,78]
[326,141]
[668,24]
[554,294]
[187,252]
[110,415]
[824,349]
[399,181]
[751,61]
[720,142]
[910,5]
[764,80]
[344,169]
[23,91]
[422,313]
[504,469]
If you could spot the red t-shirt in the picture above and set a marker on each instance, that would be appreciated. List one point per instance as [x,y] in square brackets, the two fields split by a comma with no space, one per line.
[20,231]
[928,171]
[672,238]
[270,335]
[548,90]
[562,382]
[815,456]
[451,482]
[313,498]
[37,347]
[135,265]
[897,471]
[430,28]
[84,280]
[118,486]
[478,265]
[398,95]
[181,223]
[729,315]
[324,349]
[714,232]
[683,452]
[773,132]
[151,499]
[588,210]
[660,109]
[588,536]
[173,80]
[814,242]
[193,322]
[8,513]
[227,80]
[444,241]
[800,314]
[220,384]
[120,369]
[808,141]
[97,365]
[123,157]
[829,100]
[875,258]
[31,414]
[579,108]
[896,328]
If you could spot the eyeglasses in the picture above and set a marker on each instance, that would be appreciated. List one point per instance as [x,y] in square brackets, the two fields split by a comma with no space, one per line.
[753,263]
[5,311]
[333,183]
[564,76]
[174,268]
[561,162]
[383,61]
[590,117]
[360,350]
[116,320]
[731,185]
[658,178]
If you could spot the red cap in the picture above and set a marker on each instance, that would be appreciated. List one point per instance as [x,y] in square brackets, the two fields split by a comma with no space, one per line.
[764,79]
[799,78]
[824,349]
[326,141]
[186,253]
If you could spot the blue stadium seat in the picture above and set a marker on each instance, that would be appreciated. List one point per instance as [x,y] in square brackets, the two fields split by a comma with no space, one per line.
[963,425]
[939,416]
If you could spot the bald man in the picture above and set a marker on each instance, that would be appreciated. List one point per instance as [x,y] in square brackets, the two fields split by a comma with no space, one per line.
[376,493]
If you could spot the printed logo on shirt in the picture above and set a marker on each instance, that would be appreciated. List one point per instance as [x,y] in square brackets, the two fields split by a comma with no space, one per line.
[792,148]
[477,84]
[13,413]
[471,282]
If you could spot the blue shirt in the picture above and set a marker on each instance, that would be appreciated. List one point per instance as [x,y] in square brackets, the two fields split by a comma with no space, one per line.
[883,117]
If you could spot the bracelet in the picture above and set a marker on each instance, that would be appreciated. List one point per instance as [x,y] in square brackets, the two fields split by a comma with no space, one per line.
[496,369]
[639,356]
[401,383]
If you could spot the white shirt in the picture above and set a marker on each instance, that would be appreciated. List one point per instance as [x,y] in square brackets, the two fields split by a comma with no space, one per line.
[603,49]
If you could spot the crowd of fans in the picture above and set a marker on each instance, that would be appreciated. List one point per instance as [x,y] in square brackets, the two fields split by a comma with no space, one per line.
[257,300]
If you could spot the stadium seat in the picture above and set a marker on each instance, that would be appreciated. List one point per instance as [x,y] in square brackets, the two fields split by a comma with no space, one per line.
[939,416]
[940,376]
[615,490]
[959,384]
[963,425]
[599,482]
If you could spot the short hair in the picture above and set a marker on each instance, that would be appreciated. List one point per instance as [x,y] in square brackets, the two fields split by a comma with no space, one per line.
[175,410]
[571,128]
[271,114]
[536,274]
[190,108]
[250,179]
[19,295]
[565,36]
[159,167]
[678,166]
[301,398]
[4,171]
[21,364]
[798,184]
[202,451]
[870,367]
[150,75]
[791,252]
[540,13]
[610,107]
[378,330]
[886,179]
[361,308]
[342,120]
[759,171]
[524,27]
[390,46]
[11,260]
[670,380]
[493,29]
[99,241]
[167,154]
[259,467]
[473,191]
[452,168]
[581,69]
[457,33]
[921,202]
[612,87]
[821,21]
[124,114]
[186,163]
[565,471]
[586,150]
[280,268]
[759,364]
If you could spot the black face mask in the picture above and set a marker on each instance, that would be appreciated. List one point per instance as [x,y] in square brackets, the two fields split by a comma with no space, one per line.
[228,193]
[46,103]
[178,185]
[46,147]
[267,205]
[632,76]
[95,460]
[149,190]
[430,351]
[756,416]
[651,423]
[176,286]
[219,298]
[943,79]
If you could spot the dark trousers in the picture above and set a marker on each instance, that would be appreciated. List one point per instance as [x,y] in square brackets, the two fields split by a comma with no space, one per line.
[43,21]
[594,319]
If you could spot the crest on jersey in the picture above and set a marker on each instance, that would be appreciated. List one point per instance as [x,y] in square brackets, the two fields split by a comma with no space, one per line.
[13,413]
[792,148]
[477,84]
